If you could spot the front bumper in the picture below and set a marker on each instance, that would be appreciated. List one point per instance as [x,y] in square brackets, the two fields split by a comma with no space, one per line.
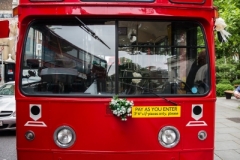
[24,154]
[7,123]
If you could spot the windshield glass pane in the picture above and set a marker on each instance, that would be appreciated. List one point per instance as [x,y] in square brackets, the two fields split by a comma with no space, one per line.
[7,89]
[79,57]
[162,57]
[69,58]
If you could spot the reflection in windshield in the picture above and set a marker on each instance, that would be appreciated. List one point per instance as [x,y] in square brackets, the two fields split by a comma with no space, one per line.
[151,58]
[93,34]
[7,89]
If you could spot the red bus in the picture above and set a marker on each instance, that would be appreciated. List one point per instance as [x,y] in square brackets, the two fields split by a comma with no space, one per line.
[156,102]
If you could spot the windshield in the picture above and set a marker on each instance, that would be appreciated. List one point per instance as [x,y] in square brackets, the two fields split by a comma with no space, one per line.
[7,89]
[107,57]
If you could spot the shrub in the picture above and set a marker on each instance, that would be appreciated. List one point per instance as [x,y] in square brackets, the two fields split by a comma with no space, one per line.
[226,68]
[220,88]
[237,81]
[225,81]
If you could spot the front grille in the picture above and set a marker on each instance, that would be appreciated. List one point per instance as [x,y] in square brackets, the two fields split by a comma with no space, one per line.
[4,126]
[13,126]
[5,113]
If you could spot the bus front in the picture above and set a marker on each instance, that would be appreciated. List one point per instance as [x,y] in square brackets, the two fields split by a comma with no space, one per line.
[115,80]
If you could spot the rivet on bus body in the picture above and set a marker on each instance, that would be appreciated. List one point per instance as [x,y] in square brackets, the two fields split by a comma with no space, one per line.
[29,135]
[202,135]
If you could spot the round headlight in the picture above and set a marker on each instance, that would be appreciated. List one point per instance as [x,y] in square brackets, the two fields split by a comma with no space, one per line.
[168,136]
[64,136]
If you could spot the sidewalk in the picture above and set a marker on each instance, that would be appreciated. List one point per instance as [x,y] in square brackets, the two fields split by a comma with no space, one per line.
[227,129]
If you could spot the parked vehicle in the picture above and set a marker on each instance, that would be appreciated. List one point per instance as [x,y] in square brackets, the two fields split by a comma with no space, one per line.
[7,106]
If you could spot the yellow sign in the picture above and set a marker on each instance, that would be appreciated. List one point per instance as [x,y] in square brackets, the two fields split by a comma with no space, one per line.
[156,111]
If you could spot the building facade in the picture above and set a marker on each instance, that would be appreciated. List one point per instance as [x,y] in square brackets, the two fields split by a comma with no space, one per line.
[8,45]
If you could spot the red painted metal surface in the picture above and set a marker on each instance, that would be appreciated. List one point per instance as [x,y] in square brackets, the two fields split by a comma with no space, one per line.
[4,32]
[99,134]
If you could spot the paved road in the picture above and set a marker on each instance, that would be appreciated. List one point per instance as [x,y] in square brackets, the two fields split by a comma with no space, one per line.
[8,145]
[227,134]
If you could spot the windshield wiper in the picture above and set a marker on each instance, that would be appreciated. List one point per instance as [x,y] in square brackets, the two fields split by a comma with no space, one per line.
[89,31]
[151,91]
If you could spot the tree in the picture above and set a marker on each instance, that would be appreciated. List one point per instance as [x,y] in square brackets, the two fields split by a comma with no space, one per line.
[230,12]
[227,69]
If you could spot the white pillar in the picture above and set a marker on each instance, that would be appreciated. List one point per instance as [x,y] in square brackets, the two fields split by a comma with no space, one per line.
[2,69]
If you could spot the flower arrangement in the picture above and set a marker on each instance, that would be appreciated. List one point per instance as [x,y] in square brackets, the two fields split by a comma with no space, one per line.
[121,107]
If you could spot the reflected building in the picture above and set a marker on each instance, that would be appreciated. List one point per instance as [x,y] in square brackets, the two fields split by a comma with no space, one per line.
[8,45]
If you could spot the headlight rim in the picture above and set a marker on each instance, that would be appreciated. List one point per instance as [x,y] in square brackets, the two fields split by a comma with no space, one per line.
[58,143]
[176,141]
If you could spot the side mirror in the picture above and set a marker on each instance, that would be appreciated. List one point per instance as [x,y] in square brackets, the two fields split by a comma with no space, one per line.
[4,31]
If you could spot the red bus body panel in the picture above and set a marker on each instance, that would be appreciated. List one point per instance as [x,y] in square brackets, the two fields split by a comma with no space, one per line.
[99,134]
